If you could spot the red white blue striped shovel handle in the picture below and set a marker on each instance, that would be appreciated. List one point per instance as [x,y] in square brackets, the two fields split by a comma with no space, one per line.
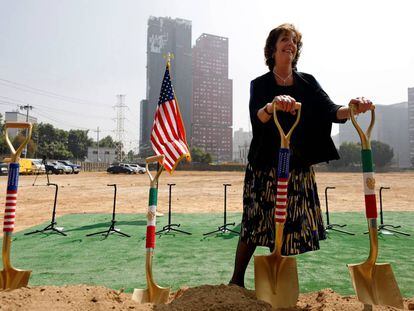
[282,185]
[13,177]
[11,198]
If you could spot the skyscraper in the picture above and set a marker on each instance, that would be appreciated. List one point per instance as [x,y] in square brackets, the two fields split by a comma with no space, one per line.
[166,35]
[212,113]
[411,123]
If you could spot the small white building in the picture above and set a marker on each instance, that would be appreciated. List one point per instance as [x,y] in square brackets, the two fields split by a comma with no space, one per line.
[101,154]
[16,116]
[241,145]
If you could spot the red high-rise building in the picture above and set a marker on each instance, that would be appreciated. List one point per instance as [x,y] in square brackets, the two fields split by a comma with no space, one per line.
[212,107]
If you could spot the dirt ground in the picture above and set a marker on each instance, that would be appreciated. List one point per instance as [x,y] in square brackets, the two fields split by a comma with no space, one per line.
[205,297]
[194,192]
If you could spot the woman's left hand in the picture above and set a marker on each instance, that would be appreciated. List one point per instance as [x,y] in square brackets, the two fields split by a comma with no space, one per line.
[362,104]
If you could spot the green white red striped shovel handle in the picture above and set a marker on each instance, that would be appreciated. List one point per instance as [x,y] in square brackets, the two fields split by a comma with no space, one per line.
[367,165]
[152,204]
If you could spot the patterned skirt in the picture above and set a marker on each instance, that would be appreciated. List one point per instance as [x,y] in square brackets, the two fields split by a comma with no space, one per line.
[304,224]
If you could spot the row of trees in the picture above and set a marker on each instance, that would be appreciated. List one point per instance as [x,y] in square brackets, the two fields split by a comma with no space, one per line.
[350,154]
[55,143]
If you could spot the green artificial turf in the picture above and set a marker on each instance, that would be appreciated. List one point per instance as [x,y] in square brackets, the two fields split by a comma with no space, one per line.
[191,260]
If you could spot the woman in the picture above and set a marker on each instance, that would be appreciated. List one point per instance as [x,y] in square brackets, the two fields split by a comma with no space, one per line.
[310,143]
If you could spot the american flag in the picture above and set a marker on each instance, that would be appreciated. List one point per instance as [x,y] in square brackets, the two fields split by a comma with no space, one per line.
[168,133]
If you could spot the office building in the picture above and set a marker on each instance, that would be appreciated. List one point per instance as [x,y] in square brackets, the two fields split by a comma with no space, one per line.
[411,124]
[212,111]
[166,35]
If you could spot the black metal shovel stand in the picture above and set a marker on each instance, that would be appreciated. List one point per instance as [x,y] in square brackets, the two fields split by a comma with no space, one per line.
[111,228]
[169,227]
[44,162]
[223,228]
[382,228]
[332,226]
[51,226]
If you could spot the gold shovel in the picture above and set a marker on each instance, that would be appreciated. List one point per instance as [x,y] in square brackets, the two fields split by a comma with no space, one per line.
[276,276]
[374,283]
[10,277]
[153,293]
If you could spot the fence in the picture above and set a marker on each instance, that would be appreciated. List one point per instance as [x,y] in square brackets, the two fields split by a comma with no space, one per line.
[92,166]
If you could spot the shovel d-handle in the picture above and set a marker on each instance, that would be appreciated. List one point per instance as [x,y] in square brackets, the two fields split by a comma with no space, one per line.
[149,160]
[364,136]
[285,138]
[15,153]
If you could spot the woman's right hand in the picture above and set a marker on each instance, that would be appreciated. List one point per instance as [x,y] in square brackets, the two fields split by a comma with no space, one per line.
[284,103]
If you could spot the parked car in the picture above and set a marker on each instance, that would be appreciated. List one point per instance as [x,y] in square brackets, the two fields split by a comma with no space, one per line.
[37,166]
[116,169]
[75,167]
[135,167]
[138,168]
[4,168]
[53,169]
[66,169]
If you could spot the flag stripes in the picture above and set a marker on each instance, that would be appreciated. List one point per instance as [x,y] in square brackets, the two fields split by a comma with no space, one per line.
[282,185]
[168,133]
[10,211]
[281,199]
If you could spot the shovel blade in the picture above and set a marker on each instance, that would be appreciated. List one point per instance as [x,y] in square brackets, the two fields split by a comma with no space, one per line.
[13,278]
[375,284]
[276,280]
[154,295]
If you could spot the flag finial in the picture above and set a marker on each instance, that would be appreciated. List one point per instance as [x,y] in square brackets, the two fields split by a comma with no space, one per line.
[169,56]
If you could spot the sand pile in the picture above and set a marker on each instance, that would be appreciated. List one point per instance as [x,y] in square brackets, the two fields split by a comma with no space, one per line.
[206,297]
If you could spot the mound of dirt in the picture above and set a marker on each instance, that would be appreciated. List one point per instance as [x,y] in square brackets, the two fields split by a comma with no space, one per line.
[205,297]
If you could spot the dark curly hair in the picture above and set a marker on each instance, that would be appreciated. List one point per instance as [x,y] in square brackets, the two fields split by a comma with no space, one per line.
[270,47]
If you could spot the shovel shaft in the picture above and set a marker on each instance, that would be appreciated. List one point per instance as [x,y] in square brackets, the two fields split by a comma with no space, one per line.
[282,185]
[11,198]
[151,218]
[369,184]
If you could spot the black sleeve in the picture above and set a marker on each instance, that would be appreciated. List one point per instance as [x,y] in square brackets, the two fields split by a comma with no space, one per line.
[328,107]
[256,102]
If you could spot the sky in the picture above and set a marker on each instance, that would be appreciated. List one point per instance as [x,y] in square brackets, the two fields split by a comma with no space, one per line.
[70,58]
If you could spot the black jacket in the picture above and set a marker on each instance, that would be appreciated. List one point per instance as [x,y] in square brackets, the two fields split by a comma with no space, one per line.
[311,141]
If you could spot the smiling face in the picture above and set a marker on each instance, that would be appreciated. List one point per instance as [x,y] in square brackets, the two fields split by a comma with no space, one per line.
[282,40]
[286,48]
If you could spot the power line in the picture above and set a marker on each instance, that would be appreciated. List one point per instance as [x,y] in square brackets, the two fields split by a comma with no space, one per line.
[33,90]
[45,115]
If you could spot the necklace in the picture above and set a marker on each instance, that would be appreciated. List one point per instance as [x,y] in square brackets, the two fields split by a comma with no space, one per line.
[280,78]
